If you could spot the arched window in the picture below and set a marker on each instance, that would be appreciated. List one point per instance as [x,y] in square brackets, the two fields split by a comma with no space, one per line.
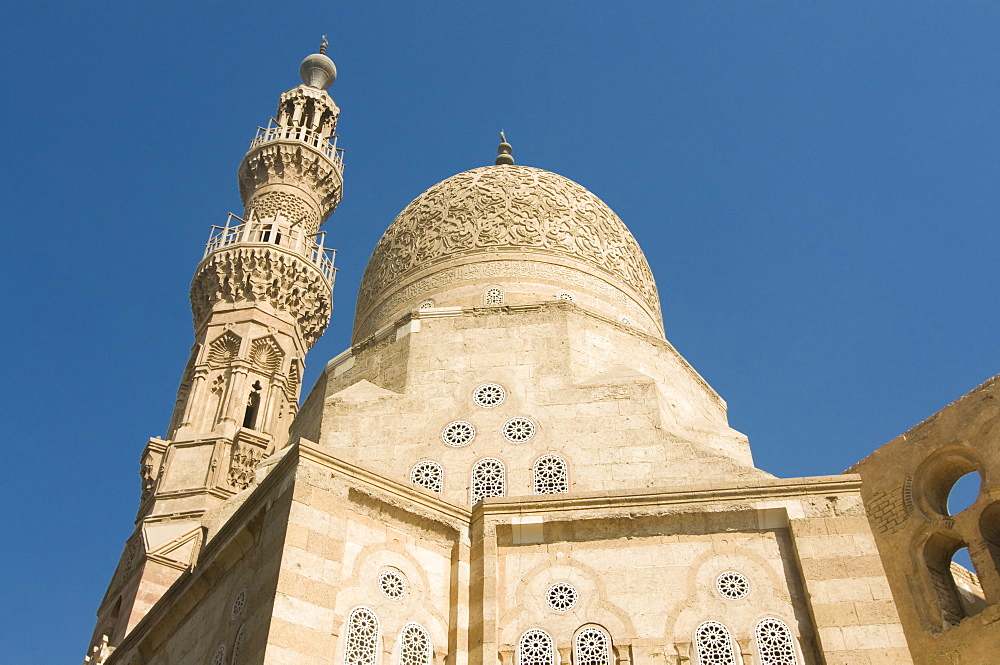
[592,646]
[414,645]
[714,645]
[493,296]
[361,645]
[428,474]
[775,643]
[489,478]
[535,648]
[253,406]
[551,475]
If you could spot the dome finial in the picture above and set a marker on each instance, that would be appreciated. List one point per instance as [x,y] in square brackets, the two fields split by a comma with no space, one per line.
[504,150]
[318,70]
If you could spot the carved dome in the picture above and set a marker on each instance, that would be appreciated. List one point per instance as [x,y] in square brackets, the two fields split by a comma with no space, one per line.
[521,222]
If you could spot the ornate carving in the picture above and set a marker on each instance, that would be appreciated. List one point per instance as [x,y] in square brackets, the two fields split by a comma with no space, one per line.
[266,355]
[148,473]
[506,207]
[293,163]
[224,349]
[262,274]
[271,205]
[242,465]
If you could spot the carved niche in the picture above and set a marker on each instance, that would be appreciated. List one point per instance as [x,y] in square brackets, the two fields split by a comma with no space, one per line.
[266,355]
[506,207]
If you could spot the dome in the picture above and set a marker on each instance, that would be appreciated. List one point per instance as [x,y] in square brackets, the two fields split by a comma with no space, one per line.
[520,226]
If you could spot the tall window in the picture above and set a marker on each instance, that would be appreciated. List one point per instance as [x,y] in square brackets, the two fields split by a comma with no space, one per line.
[428,474]
[775,643]
[551,475]
[414,645]
[488,479]
[535,648]
[592,646]
[253,406]
[714,645]
[361,646]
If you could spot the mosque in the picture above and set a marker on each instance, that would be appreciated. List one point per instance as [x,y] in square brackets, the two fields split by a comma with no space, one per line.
[510,464]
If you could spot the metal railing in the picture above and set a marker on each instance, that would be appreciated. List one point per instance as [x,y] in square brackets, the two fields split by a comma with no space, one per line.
[276,132]
[272,232]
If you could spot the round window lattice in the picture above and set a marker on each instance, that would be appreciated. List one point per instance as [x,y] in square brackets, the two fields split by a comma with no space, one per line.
[561,596]
[238,604]
[714,645]
[732,585]
[535,648]
[489,395]
[428,474]
[392,585]
[518,430]
[565,295]
[427,304]
[220,655]
[458,433]
[774,643]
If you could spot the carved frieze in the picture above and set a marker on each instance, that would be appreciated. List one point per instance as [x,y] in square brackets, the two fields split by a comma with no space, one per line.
[262,274]
[292,163]
[506,207]
[273,205]
[242,464]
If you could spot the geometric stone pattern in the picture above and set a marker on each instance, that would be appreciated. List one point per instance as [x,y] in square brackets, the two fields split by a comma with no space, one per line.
[887,510]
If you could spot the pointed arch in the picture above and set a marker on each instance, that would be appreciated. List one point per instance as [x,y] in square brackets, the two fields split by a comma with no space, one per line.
[266,355]
[361,645]
[536,648]
[224,349]
[415,645]
[592,646]
[551,475]
[489,478]
[714,644]
[775,644]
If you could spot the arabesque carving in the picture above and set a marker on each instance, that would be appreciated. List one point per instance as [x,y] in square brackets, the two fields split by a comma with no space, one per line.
[242,465]
[294,210]
[224,349]
[262,274]
[506,207]
[266,355]
[292,163]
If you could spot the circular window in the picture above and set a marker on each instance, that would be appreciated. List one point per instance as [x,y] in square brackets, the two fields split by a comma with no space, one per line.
[627,321]
[561,596]
[518,430]
[458,433]
[238,604]
[427,304]
[565,295]
[392,584]
[732,585]
[489,395]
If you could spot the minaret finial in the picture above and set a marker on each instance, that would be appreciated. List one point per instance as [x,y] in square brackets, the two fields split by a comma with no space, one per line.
[504,150]
[317,70]
[323,45]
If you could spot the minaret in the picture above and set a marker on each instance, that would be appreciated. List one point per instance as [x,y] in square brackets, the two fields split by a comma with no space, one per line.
[261,297]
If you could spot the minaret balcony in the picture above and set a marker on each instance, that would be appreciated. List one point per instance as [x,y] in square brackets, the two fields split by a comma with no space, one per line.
[312,138]
[272,233]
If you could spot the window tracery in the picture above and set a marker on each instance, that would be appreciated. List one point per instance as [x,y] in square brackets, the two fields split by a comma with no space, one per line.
[518,430]
[775,643]
[392,584]
[489,395]
[415,645]
[493,296]
[361,645]
[535,648]
[489,478]
[714,645]
[592,646]
[428,474]
[458,433]
[551,474]
[562,596]
[732,585]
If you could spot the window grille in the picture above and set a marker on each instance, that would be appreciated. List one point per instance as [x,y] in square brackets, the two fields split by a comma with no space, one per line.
[458,433]
[732,585]
[361,647]
[392,584]
[489,478]
[238,604]
[415,645]
[714,644]
[489,395]
[565,295]
[493,296]
[237,643]
[592,646]
[428,474]
[518,430]
[775,644]
[562,596]
[535,648]
[551,475]
[427,304]
[220,655]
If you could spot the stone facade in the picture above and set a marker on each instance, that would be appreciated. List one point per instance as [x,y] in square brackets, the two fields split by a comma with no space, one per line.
[511,464]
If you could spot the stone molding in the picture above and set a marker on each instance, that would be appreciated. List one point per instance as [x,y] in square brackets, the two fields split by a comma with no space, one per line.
[506,207]
[294,163]
[254,274]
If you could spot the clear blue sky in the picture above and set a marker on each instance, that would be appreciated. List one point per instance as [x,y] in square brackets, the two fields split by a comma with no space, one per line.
[816,186]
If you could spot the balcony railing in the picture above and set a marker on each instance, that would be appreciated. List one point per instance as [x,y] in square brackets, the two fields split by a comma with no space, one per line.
[276,132]
[272,232]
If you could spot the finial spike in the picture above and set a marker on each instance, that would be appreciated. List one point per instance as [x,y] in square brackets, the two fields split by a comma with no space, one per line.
[503,152]
[323,45]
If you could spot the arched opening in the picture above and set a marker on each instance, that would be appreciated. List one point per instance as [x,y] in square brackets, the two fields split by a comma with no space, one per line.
[963,576]
[253,406]
[964,492]
[945,576]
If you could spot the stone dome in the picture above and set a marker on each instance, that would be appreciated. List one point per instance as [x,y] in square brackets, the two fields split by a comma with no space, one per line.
[510,225]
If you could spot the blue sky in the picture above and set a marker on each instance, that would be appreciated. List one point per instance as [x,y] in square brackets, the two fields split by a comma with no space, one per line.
[815,186]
